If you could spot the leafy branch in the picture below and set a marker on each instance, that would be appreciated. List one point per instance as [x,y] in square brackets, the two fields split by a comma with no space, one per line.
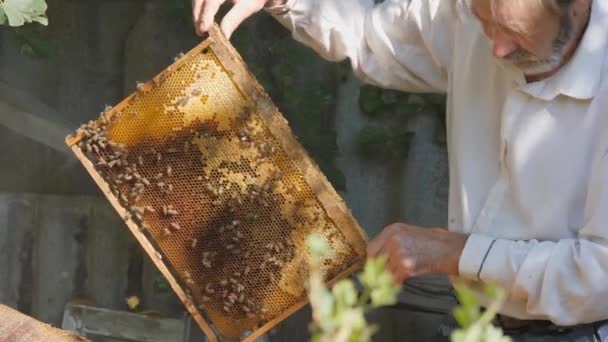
[475,325]
[339,313]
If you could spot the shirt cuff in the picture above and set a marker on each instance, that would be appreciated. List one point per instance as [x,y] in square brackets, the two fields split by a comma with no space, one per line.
[475,252]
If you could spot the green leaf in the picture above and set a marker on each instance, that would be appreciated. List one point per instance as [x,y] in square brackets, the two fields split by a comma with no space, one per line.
[32,40]
[326,303]
[345,293]
[317,245]
[384,296]
[19,12]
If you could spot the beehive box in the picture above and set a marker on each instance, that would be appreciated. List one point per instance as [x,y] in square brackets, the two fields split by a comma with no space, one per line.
[210,180]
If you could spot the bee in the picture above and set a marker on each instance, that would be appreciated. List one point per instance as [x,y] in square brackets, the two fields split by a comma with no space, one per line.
[209,289]
[139,86]
[168,170]
[101,162]
[206,263]
[140,160]
[205,299]
[224,282]
[166,232]
[178,56]
[241,297]
[247,269]
[196,92]
[158,255]
[229,246]
[227,309]
[175,226]
[183,101]
[145,181]
[194,242]
[246,309]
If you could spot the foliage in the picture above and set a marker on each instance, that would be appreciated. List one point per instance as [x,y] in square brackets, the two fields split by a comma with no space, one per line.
[339,313]
[18,12]
[22,15]
[32,41]
[477,326]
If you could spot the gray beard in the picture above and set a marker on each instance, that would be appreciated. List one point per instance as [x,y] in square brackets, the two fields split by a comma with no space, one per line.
[530,64]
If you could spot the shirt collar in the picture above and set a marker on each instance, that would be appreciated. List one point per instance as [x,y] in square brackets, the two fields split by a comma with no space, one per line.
[581,77]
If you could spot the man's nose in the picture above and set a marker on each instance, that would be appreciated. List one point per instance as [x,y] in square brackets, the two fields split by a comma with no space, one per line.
[503,45]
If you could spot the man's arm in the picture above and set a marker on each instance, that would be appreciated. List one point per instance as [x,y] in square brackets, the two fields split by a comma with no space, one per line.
[397,44]
[564,281]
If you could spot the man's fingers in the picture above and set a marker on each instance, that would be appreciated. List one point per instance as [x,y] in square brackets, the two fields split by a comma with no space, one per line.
[396,268]
[375,246]
[210,9]
[242,10]
[197,15]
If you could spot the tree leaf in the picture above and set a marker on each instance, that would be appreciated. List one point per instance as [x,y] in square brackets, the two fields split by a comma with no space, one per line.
[345,293]
[19,12]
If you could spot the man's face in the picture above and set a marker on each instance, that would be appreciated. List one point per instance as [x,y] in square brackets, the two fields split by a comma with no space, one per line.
[530,37]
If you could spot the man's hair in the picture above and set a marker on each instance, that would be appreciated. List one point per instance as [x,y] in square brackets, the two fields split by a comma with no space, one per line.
[556,6]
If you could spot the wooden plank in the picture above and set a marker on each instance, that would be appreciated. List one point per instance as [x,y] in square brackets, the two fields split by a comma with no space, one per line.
[107,248]
[98,322]
[56,255]
[155,256]
[17,231]
[34,127]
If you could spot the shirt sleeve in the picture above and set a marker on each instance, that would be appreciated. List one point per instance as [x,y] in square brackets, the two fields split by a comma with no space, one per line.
[398,44]
[565,281]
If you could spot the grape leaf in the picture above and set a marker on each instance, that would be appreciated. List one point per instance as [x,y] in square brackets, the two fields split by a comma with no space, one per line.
[19,12]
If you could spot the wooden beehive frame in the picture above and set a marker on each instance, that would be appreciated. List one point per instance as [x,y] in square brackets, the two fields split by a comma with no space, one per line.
[327,196]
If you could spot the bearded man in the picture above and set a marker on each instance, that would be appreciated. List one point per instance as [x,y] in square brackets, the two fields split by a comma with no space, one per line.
[527,123]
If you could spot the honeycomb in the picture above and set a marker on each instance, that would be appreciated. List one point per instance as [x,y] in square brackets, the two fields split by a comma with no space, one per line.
[213,177]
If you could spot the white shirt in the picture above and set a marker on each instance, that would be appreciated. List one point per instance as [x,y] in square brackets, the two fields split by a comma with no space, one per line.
[528,162]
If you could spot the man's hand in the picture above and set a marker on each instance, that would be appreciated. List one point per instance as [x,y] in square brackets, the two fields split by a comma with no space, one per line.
[414,251]
[204,11]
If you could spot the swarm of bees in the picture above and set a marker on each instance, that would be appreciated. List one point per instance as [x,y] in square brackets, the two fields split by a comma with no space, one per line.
[130,178]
